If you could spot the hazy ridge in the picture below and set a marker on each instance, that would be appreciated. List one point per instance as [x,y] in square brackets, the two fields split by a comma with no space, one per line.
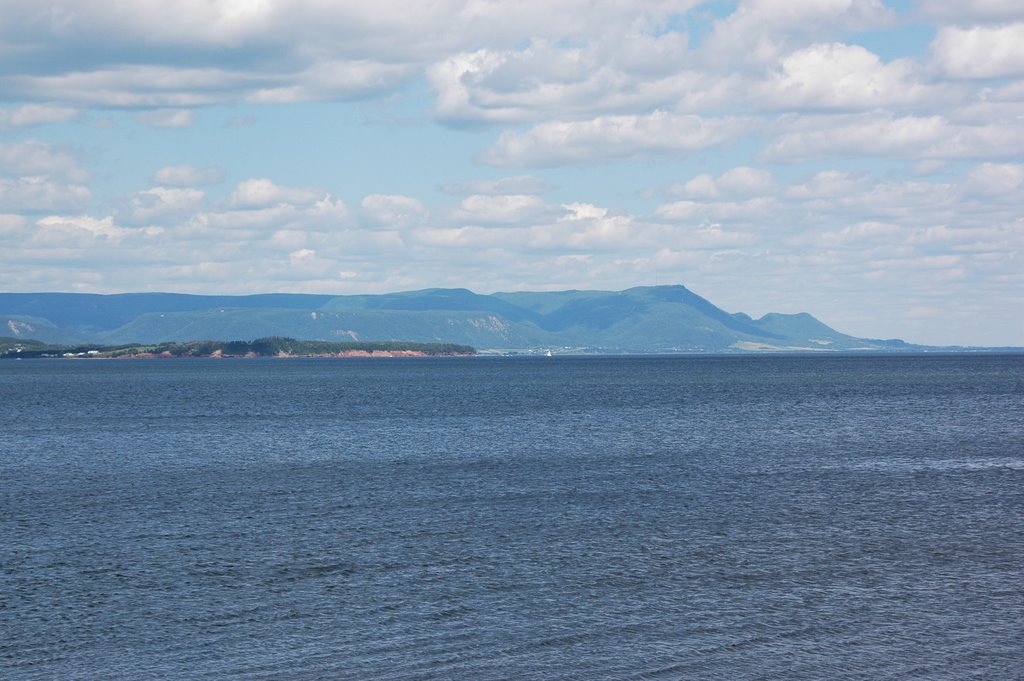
[642,319]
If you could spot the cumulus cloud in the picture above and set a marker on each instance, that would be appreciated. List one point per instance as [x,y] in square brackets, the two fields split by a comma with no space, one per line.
[583,211]
[611,137]
[38,194]
[741,181]
[392,211]
[305,263]
[281,51]
[702,186]
[500,209]
[163,204]
[835,75]
[82,231]
[760,31]
[35,158]
[34,114]
[756,210]
[38,177]
[135,85]
[860,235]
[617,73]
[745,181]
[261,193]
[680,210]
[327,213]
[997,180]
[970,12]
[980,51]
[887,136]
[828,184]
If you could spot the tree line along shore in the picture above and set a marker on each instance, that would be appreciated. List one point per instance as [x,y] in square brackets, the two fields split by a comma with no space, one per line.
[13,348]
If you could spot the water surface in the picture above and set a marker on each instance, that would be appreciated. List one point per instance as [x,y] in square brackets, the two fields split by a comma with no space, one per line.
[492,518]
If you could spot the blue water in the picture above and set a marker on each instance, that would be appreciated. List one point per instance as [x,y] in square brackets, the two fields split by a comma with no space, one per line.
[484,518]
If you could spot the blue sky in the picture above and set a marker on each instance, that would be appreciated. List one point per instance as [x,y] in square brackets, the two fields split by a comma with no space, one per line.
[860,160]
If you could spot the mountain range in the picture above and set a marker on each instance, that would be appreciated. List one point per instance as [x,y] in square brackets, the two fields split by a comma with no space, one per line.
[638,320]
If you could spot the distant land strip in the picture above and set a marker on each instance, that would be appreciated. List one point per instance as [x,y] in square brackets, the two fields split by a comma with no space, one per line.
[15,348]
[668,319]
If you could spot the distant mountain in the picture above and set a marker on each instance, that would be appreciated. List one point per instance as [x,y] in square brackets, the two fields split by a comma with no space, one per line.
[643,320]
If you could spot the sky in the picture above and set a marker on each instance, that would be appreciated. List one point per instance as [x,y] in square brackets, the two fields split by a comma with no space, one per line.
[860,160]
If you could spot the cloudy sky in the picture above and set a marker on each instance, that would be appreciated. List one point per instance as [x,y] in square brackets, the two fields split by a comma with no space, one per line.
[861,160]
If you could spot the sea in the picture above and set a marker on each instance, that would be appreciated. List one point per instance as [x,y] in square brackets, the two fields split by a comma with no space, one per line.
[684,517]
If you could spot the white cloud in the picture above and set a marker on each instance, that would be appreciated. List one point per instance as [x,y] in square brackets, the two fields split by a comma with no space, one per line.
[828,184]
[836,75]
[162,204]
[980,51]
[583,211]
[36,177]
[279,22]
[612,74]
[185,175]
[302,255]
[759,210]
[256,209]
[327,213]
[680,211]
[305,263]
[1012,92]
[34,114]
[741,181]
[391,211]
[243,223]
[336,79]
[587,230]
[887,136]
[1001,180]
[500,209]
[702,186]
[746,181]
[860,235]
[38,194]
[611,137]
[280,50]
[131,85]
[971,12]
[832,197]
[173,87]
[35,158]
[609,232]
[261,193]
[83,231]
[760,31]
